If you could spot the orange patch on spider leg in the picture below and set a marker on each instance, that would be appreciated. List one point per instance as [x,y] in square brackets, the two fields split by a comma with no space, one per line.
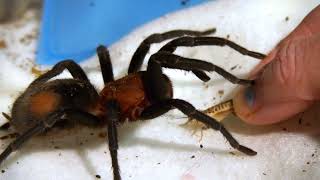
[43,103]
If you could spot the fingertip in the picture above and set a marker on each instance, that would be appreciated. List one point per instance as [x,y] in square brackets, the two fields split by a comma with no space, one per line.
[243,104]
[263,114]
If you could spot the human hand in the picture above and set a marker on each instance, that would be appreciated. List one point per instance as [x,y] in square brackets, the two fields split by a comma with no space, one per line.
[288,80]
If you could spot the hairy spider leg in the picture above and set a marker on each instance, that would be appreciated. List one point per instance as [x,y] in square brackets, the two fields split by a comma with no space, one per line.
[191,112]
[156,81]
[206,41]
[105,64]
[157,90]
[6,125]
[200,41]
[75,70]
[37,129]
[42,126]
[142,50]
[113,117]
[113,110]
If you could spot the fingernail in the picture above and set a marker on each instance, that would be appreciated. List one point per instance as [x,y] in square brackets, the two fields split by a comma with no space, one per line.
[249,96]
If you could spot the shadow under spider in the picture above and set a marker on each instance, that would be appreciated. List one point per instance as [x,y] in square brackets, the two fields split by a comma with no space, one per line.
[80,139]
[83,139]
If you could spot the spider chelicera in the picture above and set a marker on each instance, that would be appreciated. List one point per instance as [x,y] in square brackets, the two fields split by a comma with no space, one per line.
[140,95]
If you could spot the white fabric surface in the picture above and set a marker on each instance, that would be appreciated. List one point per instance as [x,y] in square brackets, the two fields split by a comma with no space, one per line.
[161,148]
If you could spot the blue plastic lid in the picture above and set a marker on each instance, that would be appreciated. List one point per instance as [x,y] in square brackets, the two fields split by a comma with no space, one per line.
[74,28]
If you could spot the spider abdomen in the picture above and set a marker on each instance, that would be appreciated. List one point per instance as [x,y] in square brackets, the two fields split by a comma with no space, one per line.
[43,103]
[37,103]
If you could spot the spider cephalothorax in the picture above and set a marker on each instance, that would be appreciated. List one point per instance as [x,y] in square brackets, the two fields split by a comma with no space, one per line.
[139,95]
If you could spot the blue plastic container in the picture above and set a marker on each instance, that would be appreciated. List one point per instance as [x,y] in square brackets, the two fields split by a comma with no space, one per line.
[74,28]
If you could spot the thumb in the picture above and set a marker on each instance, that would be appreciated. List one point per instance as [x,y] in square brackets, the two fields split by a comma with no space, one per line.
[287,80]
[252,106]
[280,91]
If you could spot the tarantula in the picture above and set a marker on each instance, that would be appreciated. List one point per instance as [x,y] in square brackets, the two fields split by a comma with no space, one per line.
[140,95]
